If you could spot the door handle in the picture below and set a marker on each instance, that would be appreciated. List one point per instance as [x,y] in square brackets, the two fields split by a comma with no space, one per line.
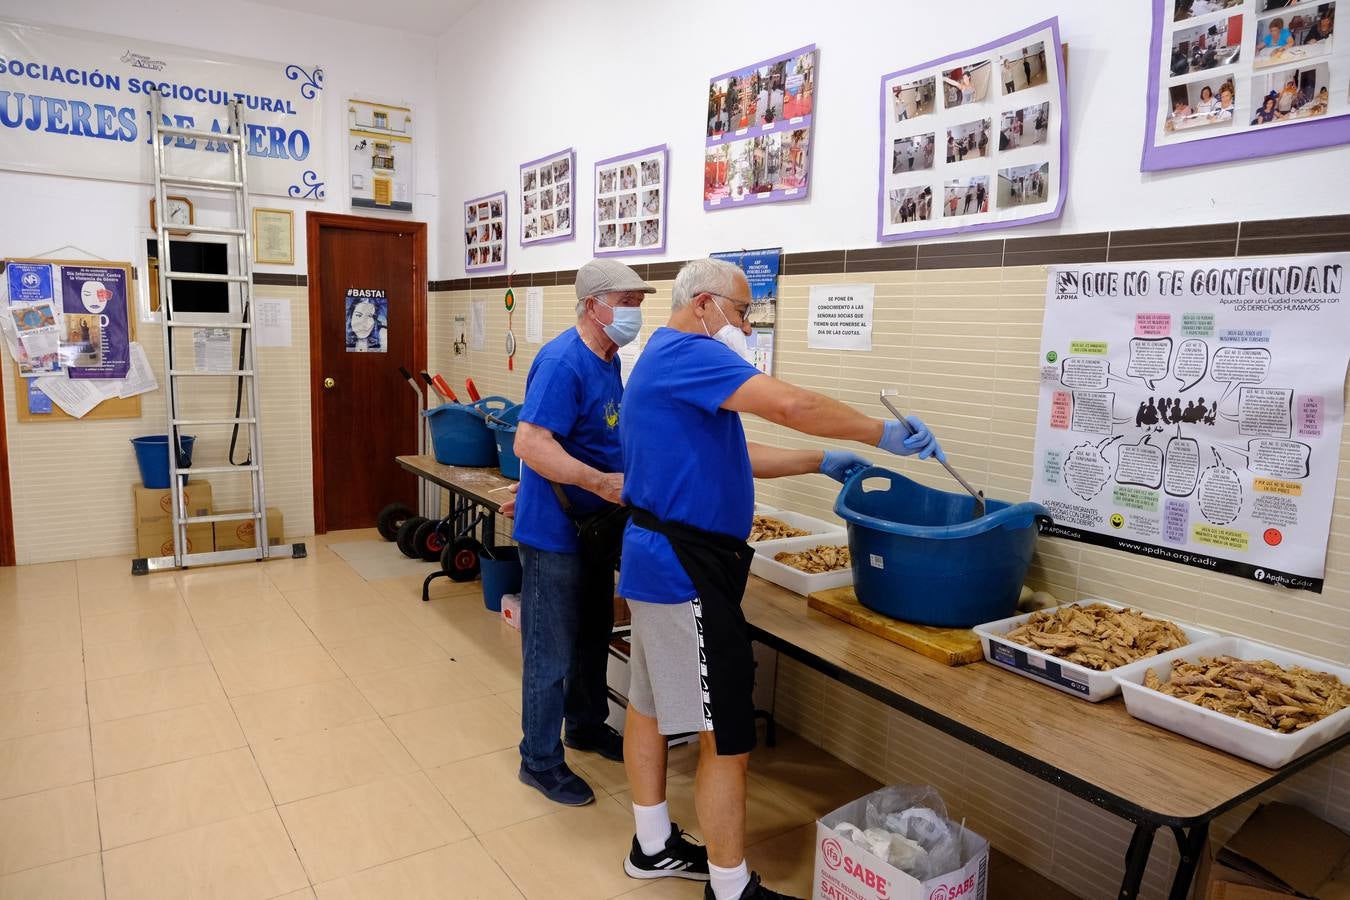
[329,383]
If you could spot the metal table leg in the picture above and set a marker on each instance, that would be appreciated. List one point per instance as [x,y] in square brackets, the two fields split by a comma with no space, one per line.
[1190,844]
[1136,860]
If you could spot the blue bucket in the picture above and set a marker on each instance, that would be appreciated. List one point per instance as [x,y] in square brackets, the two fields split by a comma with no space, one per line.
[503,427]
[501,575]
[460,437]
[152,457]
[918,556]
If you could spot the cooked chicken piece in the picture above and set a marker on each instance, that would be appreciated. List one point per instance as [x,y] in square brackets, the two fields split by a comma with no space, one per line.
[823,558]
[1097,636]
[767,528]
[1259,691]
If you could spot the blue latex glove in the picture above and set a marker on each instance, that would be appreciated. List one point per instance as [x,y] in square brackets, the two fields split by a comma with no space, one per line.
[841,464]
[896,439]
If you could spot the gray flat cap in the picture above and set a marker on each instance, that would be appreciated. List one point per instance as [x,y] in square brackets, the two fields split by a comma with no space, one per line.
[600,276]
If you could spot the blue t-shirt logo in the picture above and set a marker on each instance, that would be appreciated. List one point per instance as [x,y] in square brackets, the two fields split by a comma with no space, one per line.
[611,415]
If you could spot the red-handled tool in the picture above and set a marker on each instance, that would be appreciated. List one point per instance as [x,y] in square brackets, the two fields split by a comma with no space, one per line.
[438,385]
[472,389]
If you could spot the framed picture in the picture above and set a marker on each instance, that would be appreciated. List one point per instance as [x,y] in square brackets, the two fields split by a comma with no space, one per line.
[380,159]
[630,203]
[485,233]
[1238,79]
[547,200]
[757,146]
[975,140]
[273,237]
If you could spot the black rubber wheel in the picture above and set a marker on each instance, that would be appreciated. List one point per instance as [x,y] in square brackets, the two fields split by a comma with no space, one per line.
[406,532]
[429,541]
[390,518]
[459,559]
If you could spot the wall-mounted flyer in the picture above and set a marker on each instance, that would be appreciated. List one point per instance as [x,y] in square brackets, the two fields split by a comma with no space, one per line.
[630,203]
[485,233]
[1236,79]
[761,272]
[547,198]
[380,155]
[975,140]
[1191,411]
[758,144]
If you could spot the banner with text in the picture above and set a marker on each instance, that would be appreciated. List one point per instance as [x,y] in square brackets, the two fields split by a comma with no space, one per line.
[77,103]
[1192,411]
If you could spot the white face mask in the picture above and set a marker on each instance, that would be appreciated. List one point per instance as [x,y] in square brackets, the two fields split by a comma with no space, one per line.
[729,335]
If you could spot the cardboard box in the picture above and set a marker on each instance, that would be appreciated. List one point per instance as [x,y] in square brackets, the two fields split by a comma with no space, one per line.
[1281,851]
[847,871]
[239,534]
[156,506]
[156,539]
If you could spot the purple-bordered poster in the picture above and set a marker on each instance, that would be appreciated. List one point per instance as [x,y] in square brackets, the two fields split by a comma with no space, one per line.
[1237,79]
[630,203]
[975,140]
[485,233]
[547,198]
[758,147]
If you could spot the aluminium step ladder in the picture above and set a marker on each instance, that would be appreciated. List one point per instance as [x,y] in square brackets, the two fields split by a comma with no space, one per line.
[247,419]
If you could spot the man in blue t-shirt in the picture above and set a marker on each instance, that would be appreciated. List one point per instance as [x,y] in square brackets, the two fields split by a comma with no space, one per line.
[689,478]
[568,443]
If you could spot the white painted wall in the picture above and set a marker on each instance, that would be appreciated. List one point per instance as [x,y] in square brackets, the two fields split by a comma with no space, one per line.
[104,218]
[521,78]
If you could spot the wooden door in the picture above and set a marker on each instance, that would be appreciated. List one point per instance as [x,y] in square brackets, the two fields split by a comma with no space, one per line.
[367,301]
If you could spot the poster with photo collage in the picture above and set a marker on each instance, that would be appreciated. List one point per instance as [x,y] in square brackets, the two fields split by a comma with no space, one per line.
[758,132]
[1236,79]
[547,201]
[485,233]
[630,203]
[975,140]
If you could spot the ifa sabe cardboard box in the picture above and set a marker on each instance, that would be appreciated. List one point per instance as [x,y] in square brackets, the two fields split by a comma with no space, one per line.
[1281,851]
[155,507]
[848,871]
[238,534]
[156,539]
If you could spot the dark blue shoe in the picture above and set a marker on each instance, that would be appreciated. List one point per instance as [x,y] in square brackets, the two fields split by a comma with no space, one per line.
[602,740]
[559,784]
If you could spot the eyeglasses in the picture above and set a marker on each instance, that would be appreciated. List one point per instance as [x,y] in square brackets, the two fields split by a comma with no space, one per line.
[735,307]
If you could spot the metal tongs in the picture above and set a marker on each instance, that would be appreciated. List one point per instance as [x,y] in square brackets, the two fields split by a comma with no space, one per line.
[886,395]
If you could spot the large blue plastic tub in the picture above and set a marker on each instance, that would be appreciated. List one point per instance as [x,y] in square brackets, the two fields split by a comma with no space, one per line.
[503,428]
[502,575]
[460,436]
[919,557]
[152,458]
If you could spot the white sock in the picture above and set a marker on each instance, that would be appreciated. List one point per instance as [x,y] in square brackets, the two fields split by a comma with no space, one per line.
[727,884]
[653,827]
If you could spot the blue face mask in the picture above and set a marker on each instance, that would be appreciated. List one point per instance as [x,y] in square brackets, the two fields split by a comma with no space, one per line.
[626,325]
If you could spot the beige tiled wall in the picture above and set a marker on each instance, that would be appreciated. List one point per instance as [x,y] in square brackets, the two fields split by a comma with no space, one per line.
[72,480]
[961,345]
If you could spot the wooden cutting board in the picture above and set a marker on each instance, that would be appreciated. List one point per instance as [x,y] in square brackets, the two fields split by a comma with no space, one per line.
[953,646]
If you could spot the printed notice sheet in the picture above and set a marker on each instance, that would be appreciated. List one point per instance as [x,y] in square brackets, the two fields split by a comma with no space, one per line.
[1191,411]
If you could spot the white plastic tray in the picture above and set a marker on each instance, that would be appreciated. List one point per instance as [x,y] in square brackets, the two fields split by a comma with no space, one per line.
[798,520]
[1251,742]
[1062,675]
[765,566]
[763,509]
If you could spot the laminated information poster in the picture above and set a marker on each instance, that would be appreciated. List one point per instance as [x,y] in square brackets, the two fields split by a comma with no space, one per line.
[547,201]
[485,233]
[975,140]
[1191,411]
[1236,79]
[630,203]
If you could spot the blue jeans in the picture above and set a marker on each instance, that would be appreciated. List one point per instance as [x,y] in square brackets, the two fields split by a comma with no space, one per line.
[566,621]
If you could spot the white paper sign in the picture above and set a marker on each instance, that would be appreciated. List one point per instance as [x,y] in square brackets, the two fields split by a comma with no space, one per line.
[75,396]
[534,315]
[94,118]
[840,317]
[478,325]
[141,378]
[628,356]
[272,323]
[211,349]
[1191,411]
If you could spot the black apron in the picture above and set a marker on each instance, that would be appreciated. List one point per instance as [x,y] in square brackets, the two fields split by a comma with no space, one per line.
[719,566]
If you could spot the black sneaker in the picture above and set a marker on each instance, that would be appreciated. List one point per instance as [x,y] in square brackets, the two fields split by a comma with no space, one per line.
[602,740]
[559,784]
[680,858]
[753,891]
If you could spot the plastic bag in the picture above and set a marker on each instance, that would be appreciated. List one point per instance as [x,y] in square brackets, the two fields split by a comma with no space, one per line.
[907,826]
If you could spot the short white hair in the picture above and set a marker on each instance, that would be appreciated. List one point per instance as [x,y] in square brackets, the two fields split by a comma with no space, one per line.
[700,276]
[581,304]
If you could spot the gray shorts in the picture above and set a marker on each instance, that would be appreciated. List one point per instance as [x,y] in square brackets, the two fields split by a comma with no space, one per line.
[667,673]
